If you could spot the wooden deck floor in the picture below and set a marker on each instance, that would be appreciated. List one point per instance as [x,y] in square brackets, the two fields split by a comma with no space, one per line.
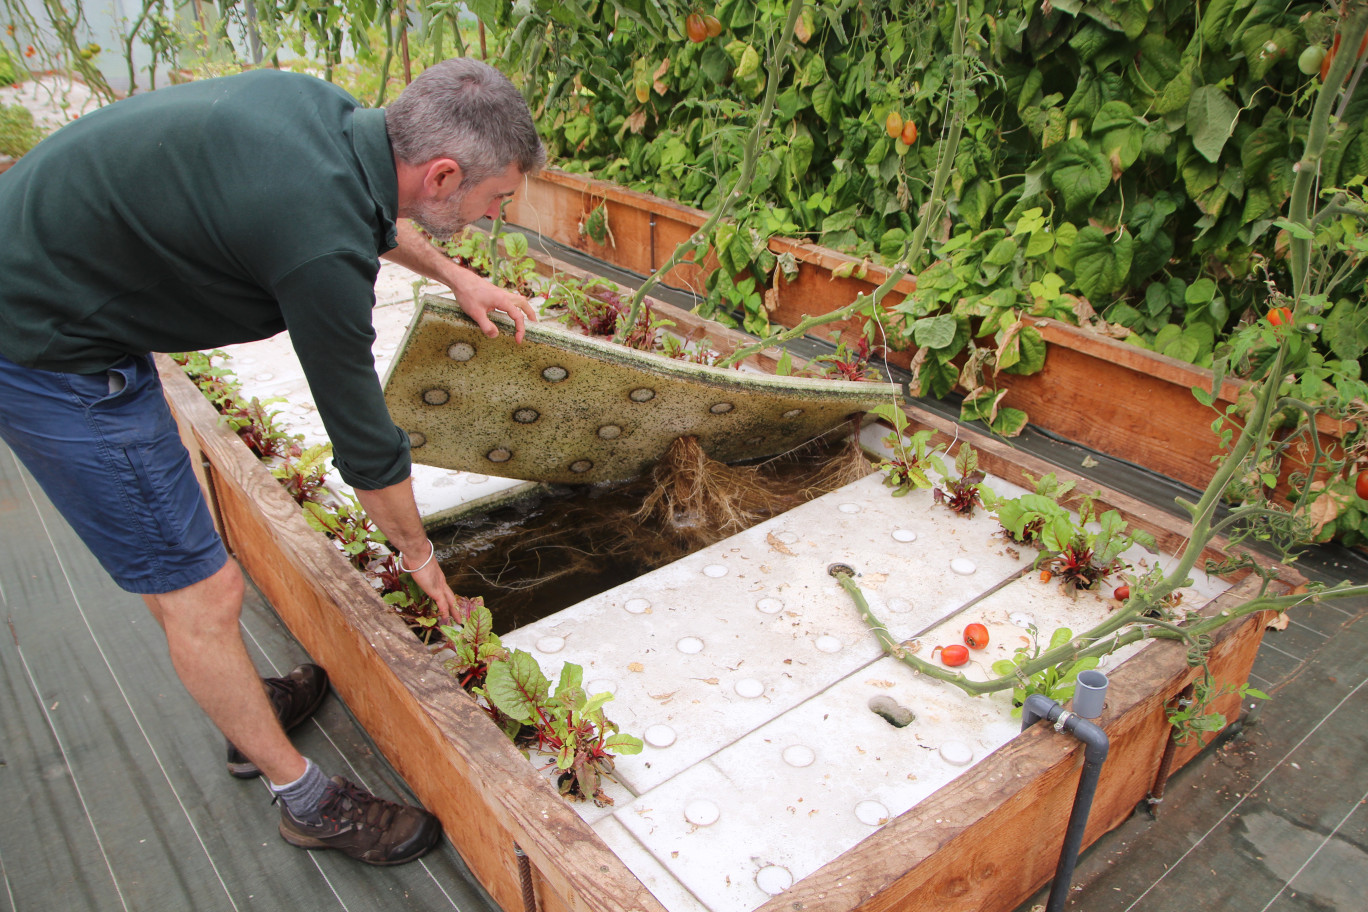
[113,791]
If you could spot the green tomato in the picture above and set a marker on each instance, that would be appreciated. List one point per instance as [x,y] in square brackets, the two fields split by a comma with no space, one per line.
[1310,60]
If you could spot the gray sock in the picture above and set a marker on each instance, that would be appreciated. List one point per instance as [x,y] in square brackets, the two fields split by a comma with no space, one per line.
[303,796]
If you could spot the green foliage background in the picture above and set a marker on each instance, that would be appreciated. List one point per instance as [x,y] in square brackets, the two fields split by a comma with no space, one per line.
[1125,156]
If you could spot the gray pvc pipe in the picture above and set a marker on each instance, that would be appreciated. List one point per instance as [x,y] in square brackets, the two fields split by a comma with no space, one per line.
[1095,747]
[1090,694]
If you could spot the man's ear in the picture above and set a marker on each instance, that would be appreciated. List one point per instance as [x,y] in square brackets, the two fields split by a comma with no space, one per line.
[441,178]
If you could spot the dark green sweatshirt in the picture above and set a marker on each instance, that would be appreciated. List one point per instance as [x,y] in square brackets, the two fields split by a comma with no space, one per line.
[205,214]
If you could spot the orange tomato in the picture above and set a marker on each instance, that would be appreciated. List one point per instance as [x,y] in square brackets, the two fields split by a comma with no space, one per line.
[952,655]
[893,125]
[976,636]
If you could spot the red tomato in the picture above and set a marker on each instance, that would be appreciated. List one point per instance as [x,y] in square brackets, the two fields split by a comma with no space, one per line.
[1361,485]
[1122,593]
[696,27]
[1280,316]
[909,133]
[952,655]
[976,636]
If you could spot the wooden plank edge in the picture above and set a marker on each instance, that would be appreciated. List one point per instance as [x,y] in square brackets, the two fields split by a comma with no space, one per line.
[567,853]
[824,258]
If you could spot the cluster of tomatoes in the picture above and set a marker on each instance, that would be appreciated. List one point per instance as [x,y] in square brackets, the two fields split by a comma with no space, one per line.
[1279,317]
[904,131]
[975,637]
[701,26]
[1316,58]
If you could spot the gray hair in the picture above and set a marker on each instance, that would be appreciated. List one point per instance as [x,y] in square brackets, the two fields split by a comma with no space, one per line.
[467,111]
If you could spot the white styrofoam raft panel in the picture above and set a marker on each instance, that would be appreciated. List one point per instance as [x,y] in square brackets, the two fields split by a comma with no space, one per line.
[704,650]
[813,783]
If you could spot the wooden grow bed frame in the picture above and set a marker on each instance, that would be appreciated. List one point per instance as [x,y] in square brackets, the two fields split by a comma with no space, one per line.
[960,849]
[1097,391]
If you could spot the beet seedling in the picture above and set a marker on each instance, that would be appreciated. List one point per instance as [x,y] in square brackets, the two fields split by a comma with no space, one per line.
[962,494]
[568,723]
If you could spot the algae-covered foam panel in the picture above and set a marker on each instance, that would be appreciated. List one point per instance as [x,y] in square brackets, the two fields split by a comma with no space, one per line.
[565,408]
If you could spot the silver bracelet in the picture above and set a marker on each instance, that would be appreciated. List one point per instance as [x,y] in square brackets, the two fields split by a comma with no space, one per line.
[431,554]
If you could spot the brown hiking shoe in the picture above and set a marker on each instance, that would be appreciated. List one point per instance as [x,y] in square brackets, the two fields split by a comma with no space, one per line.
[364,827]
[295,697]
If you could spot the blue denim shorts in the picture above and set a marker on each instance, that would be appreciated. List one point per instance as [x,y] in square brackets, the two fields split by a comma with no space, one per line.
[107,453]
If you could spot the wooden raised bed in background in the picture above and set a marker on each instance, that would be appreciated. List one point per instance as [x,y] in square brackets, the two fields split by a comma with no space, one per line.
[1105,394]
[983,843]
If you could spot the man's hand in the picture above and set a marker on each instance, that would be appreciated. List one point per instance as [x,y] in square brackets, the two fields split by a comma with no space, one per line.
[478,298]
[394,511]
[432,580]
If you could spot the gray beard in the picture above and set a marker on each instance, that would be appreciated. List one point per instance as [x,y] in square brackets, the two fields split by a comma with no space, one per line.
[440,220]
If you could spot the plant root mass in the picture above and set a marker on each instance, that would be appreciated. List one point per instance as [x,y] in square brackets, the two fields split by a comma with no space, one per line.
[533,558]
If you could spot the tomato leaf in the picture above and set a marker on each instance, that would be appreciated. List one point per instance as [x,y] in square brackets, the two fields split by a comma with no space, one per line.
[826,100]
[976,200]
